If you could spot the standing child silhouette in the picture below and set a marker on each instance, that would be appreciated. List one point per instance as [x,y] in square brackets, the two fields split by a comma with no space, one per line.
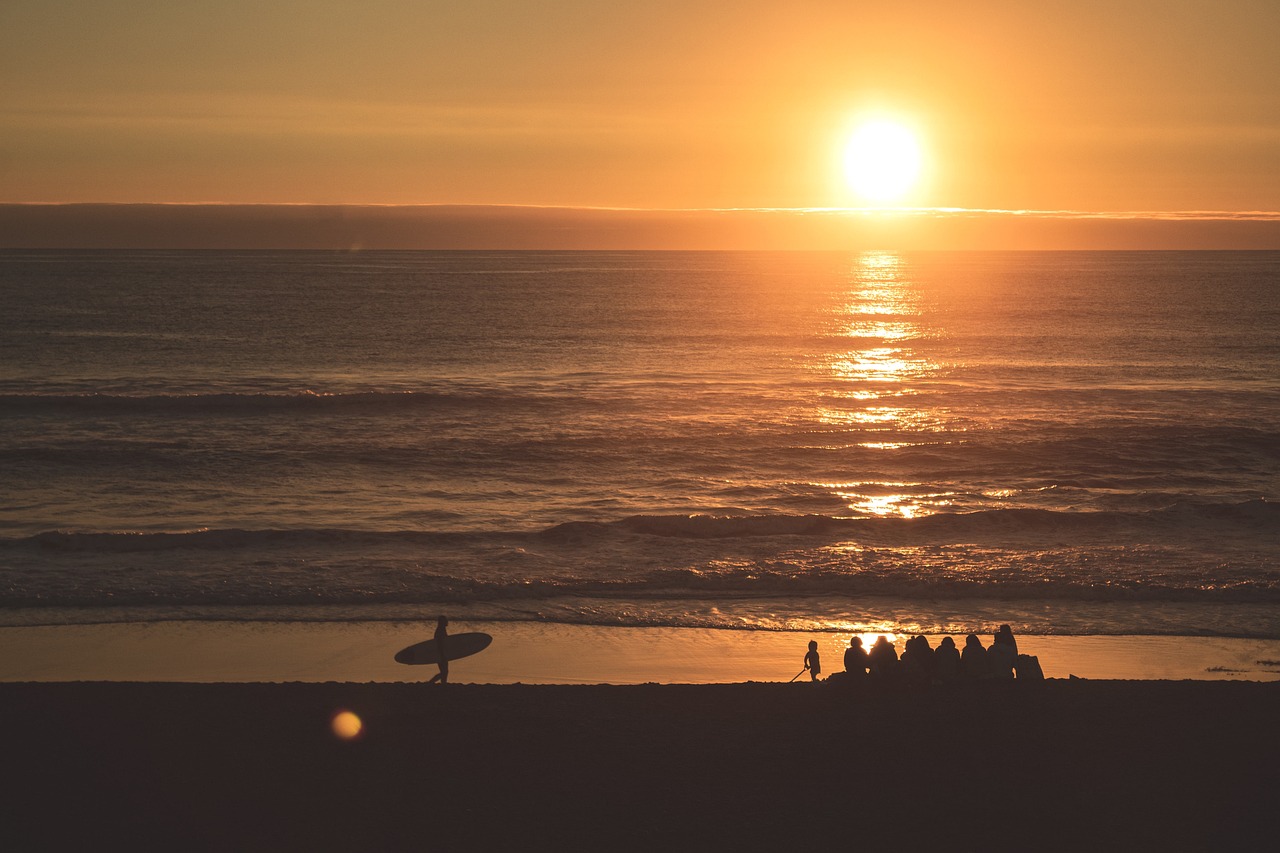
[811,660]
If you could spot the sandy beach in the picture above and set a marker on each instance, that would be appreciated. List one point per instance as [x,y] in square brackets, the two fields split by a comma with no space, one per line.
[545,653]
[1066,765]
[230,736]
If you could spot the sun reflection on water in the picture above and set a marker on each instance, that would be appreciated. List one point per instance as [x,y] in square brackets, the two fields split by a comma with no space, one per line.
[883,499]
[877,316]
[871,362]
[879,364]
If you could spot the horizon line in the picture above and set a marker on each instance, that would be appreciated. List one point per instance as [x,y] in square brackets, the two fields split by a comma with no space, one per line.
[1049,213]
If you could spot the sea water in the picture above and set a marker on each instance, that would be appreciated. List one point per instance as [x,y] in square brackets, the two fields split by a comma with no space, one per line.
[1073,443]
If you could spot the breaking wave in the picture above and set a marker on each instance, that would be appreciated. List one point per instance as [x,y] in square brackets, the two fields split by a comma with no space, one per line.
[1256,515]
[1005,555]
[1253,517]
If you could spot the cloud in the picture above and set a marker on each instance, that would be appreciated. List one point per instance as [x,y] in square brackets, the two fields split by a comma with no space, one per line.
[231,226]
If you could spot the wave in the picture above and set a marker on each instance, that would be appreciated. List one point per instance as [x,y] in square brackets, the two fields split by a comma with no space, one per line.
[128,542]
[1256,518]
[316,587]
[1253,516]
[267,403]
[1003,555]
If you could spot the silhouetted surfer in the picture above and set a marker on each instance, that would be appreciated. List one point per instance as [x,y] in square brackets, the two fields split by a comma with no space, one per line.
[442,649]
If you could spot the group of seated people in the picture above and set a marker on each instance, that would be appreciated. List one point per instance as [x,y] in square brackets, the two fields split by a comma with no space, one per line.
[922,664]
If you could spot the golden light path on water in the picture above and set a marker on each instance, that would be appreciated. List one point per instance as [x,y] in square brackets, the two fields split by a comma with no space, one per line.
[876,321]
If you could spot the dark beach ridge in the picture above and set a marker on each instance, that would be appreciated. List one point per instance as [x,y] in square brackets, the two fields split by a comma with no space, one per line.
[1062,765]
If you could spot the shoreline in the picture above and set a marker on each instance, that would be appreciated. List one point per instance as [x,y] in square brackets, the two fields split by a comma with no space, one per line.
[550,653]
[1060,765]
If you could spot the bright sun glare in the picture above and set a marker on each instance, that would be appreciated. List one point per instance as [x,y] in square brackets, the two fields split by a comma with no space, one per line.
[882,161]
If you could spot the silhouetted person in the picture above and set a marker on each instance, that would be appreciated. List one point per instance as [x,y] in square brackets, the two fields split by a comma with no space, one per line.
[917,660]
[946,661]
[855,660]
[1004,636]
[812,662]
[1000,657]
[442,650]
[909,662]
[883,658]
[973,660]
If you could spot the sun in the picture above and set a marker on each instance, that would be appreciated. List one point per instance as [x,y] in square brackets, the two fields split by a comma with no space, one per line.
[882,161]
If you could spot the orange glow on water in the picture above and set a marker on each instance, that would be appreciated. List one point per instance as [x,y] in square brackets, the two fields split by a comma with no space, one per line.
[888,499]
[884,505]
[904,505]
[869,638]
[880,329]
[880,315]
[879,364]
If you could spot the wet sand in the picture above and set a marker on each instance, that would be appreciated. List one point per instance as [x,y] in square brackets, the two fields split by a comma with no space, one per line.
[547,653]
[1063,765]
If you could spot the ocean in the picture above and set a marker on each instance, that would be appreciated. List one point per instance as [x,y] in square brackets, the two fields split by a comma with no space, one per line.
[1070,442]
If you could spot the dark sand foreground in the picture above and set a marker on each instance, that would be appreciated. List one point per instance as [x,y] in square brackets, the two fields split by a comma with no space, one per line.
[1067,765]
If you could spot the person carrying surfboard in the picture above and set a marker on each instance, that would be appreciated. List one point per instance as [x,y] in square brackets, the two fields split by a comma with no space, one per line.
[442,648]
[442,644]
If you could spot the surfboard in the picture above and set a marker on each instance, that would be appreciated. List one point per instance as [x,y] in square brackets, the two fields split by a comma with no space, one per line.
[459,646]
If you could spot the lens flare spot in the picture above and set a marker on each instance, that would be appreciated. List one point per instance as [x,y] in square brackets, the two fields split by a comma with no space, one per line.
[347,725]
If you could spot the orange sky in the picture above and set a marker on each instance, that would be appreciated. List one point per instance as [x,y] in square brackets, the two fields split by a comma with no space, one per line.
[1122,105]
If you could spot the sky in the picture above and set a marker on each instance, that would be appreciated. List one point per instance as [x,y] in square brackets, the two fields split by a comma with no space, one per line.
[1108,107]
